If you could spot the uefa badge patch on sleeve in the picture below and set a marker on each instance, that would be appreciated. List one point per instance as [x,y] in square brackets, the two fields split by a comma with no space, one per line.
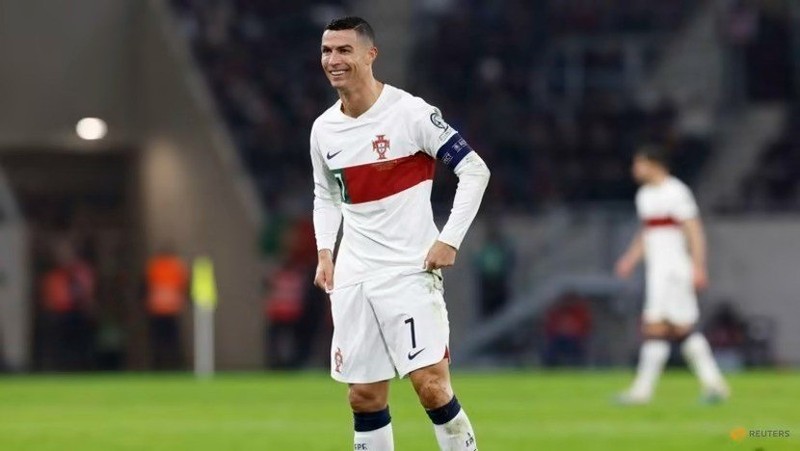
[438,122]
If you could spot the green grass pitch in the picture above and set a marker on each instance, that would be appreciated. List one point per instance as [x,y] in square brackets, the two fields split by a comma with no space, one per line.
[307,411]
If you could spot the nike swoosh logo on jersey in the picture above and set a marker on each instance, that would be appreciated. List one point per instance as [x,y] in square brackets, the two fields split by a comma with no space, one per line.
[414,355]
[331,155]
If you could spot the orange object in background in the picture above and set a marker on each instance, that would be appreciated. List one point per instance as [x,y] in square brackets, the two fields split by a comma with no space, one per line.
[67,288]
[167,282]
[55,291]
[284,303]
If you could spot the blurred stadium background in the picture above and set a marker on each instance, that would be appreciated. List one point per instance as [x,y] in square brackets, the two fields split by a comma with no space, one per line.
[139,135]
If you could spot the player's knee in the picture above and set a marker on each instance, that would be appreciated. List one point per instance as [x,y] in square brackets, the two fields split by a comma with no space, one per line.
[679,334]
[433,392]
[366,398]
[655,331]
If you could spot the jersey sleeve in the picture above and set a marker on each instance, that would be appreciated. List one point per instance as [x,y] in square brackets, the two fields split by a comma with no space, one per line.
[639,202]
[434,136]
[438,139]
[685,206]
[327,200]
[473,176]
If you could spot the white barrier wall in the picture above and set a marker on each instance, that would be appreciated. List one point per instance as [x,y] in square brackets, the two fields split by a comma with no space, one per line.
[14,285]
[121,60]
[15,340]
[64,60]
[756,264]
[193,192]
[753,262]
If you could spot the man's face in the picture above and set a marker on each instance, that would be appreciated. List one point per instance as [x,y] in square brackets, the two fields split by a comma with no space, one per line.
[346,57]
[642,169]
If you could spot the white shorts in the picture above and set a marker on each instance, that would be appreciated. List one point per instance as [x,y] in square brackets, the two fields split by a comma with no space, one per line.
[388,326]
[670,297]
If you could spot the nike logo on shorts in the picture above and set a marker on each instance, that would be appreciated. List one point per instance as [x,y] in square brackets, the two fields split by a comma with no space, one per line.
[331,155]
[414,355]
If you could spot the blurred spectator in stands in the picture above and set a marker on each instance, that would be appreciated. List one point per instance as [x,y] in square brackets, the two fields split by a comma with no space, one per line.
[568,324]
[739,26]
[774,183]
[316,308]
[494,264]
[67,293]
[284,308]
[726,330]
[294,309]
[166,298]
[761,332]
[769,57]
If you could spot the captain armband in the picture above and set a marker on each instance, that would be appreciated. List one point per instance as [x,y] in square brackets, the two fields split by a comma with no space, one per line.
[453,151]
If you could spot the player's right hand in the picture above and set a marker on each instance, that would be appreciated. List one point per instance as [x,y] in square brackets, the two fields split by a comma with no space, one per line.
[700,278]
[624,268]
[324,276]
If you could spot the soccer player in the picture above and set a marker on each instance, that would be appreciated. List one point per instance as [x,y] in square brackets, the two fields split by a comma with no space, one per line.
[670,224]
[373,155]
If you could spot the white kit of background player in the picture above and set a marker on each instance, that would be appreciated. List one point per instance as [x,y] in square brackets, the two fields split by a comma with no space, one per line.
[673,246]
[373,155]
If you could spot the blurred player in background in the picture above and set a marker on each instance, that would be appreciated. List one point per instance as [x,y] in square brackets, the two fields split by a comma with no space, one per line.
[670,222]
[373,155]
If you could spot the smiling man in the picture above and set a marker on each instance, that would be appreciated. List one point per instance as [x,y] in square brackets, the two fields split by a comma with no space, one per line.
[373,155]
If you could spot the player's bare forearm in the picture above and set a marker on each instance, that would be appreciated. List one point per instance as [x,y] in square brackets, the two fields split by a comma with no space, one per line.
[473,177]
[635,251]
[441,255]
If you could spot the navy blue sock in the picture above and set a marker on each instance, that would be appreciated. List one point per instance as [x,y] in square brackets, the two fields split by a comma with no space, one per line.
[675,346]
[371,421]
[445,413]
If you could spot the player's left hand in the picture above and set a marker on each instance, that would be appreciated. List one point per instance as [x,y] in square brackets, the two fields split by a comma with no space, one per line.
[441,255]
[700,278]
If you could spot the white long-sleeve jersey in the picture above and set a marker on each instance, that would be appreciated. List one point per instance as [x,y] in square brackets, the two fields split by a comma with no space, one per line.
[663,208]
[376,172]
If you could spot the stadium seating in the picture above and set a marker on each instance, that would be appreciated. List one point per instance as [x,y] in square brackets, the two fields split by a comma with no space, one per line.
[487,68]
[482,73]
[261,61]
[774,184]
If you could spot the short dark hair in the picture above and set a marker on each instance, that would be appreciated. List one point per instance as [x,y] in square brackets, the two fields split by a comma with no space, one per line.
[654,153]
[361,26]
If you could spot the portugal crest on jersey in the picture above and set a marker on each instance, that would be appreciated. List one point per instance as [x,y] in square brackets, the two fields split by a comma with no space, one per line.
[381,146]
